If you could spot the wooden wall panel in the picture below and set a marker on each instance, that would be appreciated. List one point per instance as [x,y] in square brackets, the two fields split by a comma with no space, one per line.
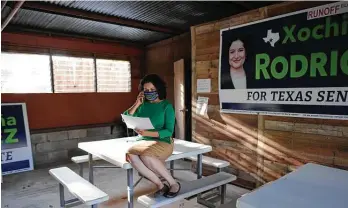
[160,58]
[259,148]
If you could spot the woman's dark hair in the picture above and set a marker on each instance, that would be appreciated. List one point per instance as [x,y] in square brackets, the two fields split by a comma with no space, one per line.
[157,82]
[243,39]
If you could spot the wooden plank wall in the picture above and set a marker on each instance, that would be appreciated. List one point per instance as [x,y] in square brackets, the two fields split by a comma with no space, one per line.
[160,58]
[259,148]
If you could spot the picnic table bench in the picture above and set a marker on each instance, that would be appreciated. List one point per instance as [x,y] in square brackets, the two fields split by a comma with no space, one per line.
[85,192]
[114,151]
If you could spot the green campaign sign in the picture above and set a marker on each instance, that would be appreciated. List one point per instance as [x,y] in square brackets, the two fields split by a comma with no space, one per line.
[294,64]
[16,152]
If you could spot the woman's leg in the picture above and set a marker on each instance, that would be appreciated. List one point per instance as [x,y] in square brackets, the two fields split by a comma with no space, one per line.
[159,167]
[148,165]
[139,166]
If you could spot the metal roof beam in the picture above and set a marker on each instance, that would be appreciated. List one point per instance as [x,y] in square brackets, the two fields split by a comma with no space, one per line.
[21,29]
[12,14]
[3,4]
[68,44]
[58,10]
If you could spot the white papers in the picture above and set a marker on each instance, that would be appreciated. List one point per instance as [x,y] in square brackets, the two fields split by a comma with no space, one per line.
[203,85]
[202,105]
[137,122]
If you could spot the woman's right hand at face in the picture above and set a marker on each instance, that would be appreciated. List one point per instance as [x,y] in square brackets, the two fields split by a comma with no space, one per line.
[140,98]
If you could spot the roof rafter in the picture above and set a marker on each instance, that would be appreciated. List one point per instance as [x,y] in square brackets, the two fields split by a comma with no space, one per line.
[21,29]
[52,9]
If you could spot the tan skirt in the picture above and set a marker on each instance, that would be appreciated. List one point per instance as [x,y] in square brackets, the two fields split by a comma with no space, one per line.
[160,150]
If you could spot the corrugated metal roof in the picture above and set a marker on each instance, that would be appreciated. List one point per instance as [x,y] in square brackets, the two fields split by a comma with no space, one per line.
[177,15]
[33,19]
[40,20]
[6,11]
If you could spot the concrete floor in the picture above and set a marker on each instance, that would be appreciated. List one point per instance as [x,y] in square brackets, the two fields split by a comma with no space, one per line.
[37,189]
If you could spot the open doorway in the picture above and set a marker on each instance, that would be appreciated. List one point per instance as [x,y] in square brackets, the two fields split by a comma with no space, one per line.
[182,99]
[188,97]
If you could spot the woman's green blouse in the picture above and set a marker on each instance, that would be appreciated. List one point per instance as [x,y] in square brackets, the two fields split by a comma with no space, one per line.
[162,117]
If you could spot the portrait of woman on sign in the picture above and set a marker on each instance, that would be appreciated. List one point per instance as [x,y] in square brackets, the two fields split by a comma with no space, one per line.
[233,73]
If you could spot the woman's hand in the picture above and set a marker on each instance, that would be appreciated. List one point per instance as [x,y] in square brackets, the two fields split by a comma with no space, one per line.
[146,133]
[140,98]
[139,131]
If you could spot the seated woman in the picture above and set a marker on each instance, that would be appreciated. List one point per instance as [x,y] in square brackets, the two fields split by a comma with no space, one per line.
[149,155]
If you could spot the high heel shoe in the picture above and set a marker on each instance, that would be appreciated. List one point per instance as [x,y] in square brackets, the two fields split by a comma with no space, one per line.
[164,190]
[170,194]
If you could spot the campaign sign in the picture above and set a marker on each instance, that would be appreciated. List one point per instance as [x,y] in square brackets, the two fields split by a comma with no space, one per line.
[290,65]
[16,152]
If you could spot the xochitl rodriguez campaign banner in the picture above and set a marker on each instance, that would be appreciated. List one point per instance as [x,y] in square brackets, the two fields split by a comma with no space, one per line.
[294,64]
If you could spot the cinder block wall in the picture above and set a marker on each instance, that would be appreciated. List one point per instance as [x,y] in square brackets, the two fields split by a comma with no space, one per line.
[60,146]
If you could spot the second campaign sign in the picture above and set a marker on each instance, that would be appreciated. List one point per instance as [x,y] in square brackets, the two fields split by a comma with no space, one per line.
[16,152]
[295,64]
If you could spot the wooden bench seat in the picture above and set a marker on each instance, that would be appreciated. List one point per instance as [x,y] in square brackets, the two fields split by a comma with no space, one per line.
[79,187]
[188,189]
